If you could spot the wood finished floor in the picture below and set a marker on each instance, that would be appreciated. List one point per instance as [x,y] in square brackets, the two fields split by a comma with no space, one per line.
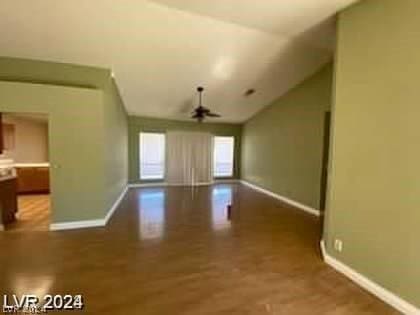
[172,251]
[33,214]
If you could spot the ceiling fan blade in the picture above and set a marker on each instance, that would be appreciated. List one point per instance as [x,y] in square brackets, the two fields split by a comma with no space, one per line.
[210,114]
[197,115]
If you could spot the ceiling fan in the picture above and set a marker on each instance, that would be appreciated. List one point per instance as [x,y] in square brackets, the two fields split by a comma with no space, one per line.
[201,112]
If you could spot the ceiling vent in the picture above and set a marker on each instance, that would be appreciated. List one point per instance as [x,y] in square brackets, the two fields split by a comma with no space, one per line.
[249,92]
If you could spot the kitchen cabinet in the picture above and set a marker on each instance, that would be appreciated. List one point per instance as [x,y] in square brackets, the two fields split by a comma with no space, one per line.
[31,180]
[8,200]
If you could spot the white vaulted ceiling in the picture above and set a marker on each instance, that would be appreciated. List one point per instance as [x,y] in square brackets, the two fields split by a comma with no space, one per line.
[161,50]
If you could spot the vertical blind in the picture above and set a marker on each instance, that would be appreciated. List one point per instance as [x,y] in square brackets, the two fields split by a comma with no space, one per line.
[185,158]
[189,159]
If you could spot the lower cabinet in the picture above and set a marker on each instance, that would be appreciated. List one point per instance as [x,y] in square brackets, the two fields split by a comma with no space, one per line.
[31,180]
[8,200]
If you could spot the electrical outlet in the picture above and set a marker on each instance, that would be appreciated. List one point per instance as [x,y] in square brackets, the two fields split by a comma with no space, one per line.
[338,245]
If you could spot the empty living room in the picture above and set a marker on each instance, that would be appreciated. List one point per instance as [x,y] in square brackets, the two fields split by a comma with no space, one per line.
[210,157]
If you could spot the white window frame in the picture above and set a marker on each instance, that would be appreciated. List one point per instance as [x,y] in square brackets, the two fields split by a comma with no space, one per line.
[157,179]
[232,174]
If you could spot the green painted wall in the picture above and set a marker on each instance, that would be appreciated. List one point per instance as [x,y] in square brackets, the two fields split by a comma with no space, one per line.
[282,145]
[75,134]
[116,143]
[139,124]
[374,196]
[88,131]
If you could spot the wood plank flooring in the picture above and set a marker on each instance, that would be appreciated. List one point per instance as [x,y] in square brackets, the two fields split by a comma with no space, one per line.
[33,214]
[173,251]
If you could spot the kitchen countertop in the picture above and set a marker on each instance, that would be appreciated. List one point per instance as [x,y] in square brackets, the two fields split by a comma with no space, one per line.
[9,165]
[22,165]
[4,178]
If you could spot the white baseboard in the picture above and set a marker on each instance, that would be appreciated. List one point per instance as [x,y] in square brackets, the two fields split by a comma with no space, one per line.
[227,181]
[143,185]
[77,225]
[284,199]
[115,205]
[164,184]
[90,223]
[195,185]
[382,293]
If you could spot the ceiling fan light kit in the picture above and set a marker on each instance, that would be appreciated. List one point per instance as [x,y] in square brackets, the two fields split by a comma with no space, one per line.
[201,112]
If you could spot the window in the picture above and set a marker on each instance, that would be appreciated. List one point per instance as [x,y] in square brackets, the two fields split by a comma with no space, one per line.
[223,156]
[152,156]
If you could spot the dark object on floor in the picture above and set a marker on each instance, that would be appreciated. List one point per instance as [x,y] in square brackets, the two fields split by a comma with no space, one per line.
[229,212]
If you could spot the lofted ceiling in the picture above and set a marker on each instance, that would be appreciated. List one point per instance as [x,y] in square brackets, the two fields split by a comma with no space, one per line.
[161,50]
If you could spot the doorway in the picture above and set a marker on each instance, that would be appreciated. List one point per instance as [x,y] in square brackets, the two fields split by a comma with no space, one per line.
[24,172]
[324,170]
